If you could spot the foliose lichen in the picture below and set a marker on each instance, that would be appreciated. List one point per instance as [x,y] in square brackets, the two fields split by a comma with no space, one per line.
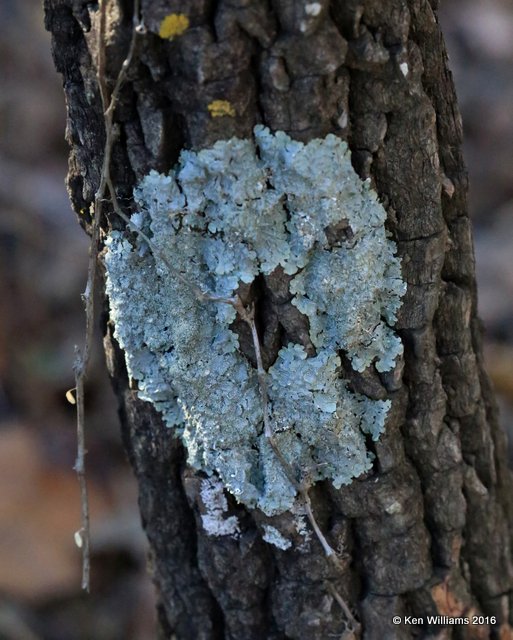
[214,520]
[223,216]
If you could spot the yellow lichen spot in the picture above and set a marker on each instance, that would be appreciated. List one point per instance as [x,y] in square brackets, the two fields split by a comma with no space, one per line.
[173,25]
[220,108]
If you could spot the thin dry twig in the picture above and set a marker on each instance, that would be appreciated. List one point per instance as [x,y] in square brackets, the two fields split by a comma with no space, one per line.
[248,315]
[82,357]
[353,622]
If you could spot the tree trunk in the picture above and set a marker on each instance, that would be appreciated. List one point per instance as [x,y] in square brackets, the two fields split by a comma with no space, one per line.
[428,530]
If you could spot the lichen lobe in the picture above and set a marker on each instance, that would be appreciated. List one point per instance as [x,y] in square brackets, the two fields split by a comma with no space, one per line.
[224,216]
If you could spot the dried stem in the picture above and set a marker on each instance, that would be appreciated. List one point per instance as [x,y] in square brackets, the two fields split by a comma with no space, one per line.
[82,357]
[248,315]
[353,622]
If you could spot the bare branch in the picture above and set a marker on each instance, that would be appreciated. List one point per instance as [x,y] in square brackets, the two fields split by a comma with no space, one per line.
[248,315]
[82,357]
[354,624]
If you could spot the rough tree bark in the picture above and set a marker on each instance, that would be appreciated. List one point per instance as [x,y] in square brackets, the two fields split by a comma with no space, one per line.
[429,529]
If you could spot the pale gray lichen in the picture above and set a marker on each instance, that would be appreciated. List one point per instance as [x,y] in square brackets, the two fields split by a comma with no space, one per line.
[223,216]
[214,520]
[273,536]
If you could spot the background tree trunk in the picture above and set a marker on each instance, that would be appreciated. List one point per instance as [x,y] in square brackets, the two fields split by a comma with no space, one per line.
[429,529]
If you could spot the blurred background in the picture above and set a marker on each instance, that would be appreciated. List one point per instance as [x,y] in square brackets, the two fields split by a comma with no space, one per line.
[43,257]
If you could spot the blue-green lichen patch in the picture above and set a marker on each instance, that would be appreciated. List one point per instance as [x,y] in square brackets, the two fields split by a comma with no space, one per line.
[222,217]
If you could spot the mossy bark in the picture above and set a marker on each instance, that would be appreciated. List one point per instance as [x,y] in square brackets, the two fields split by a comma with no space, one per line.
[429,529]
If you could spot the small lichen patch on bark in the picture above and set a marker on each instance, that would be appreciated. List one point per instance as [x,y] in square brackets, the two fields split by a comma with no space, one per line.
[313,8]
[274,537]
[173,25]
[224,217]
[220,108]
[216,505]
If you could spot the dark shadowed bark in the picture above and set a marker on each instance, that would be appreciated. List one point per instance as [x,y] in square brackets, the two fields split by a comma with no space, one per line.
[428,530]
